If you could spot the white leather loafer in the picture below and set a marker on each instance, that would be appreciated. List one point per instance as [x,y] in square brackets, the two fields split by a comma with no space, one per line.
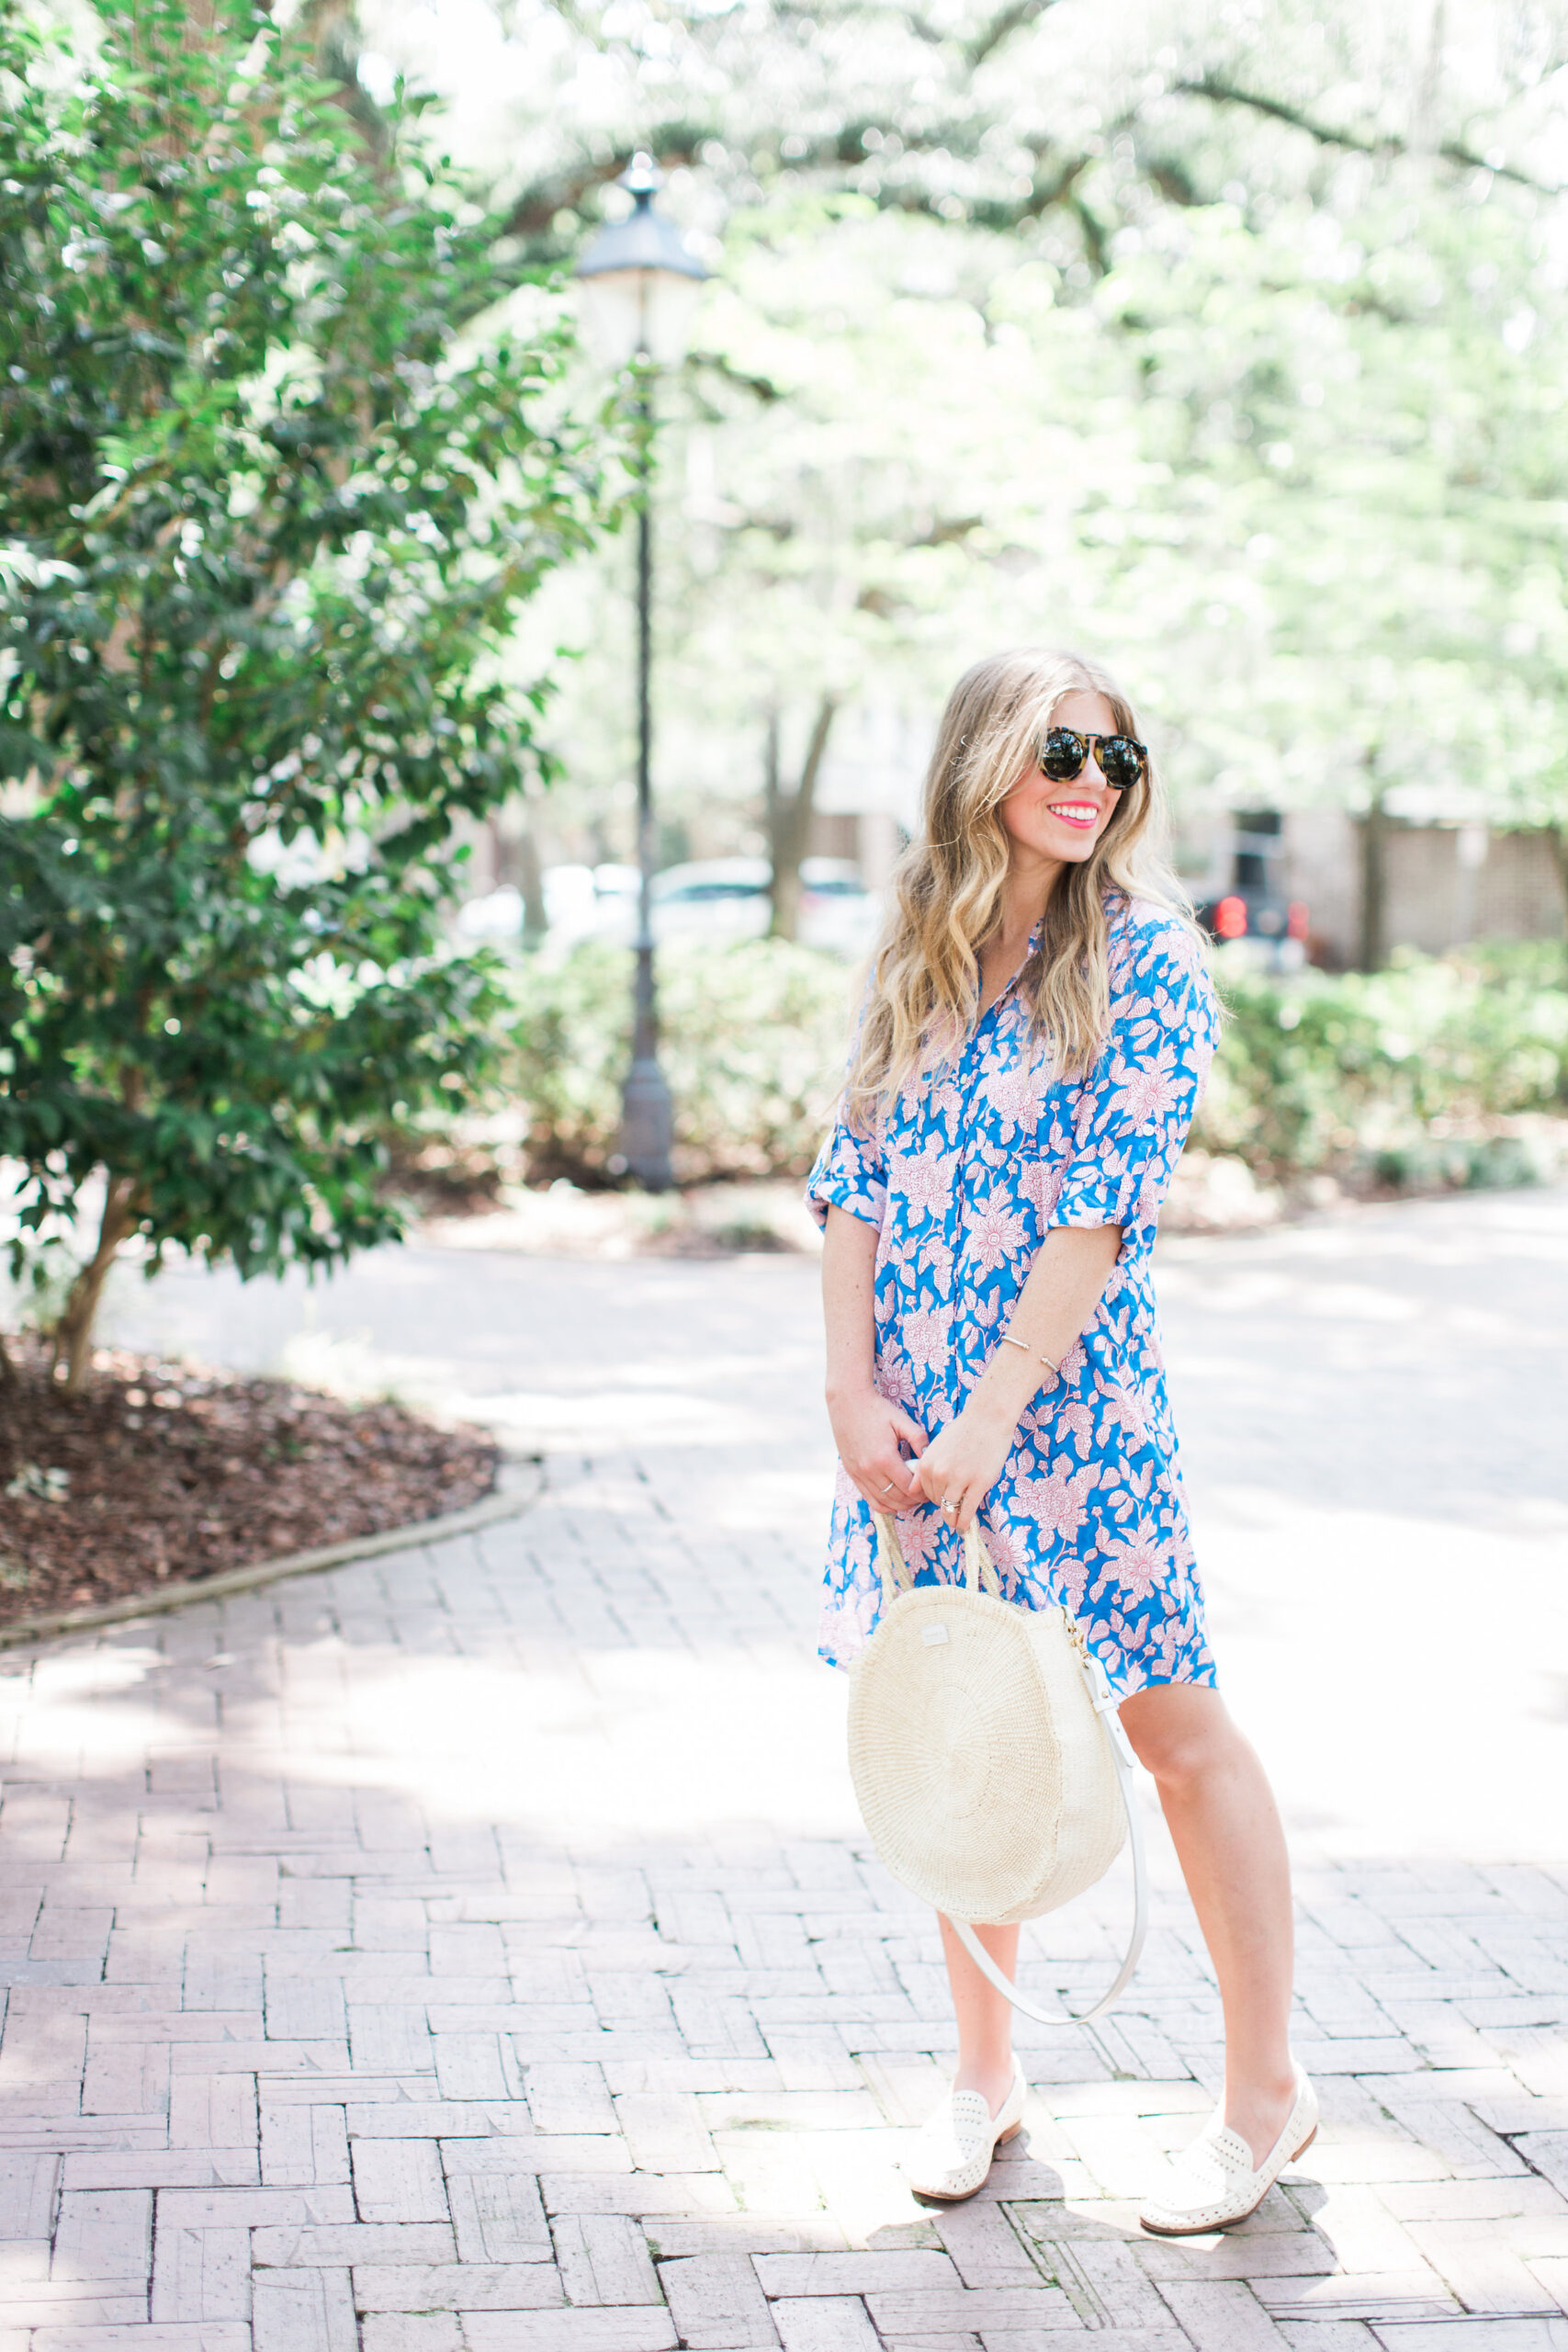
[1213,2182]
[954,2148]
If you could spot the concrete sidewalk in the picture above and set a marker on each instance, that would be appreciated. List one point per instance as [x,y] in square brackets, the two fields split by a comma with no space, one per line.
[478,1948]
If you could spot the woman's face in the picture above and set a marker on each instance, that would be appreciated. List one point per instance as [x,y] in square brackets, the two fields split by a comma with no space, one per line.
[1061,822]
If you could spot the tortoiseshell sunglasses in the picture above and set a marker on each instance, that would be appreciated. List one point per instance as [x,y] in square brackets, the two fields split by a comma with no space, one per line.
[1065,754]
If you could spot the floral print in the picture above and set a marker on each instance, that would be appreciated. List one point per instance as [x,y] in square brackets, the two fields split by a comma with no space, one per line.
[974,1164]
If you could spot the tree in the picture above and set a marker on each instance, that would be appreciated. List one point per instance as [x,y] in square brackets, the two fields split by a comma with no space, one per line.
[789,813]
[268,519]
[1230,340]
[1057,125]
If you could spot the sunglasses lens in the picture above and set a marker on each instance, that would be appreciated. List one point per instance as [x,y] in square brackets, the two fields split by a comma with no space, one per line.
[1062,754]
[1121,762]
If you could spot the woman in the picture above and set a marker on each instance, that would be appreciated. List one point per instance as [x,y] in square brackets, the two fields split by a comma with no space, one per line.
[1034,1039]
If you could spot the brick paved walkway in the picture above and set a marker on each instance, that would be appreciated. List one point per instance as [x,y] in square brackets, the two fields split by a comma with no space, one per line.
[474,1950]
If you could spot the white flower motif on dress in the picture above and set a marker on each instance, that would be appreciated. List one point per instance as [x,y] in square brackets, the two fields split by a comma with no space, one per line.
[947,1109]
[935,1258]
[1072,1575]
[1041,1183]
[1009,1551]
[921,1535]
[1079,1421]
[926,1334]
[1122,1412]
[1138,1563]
[1059,1502]
[1147,1091]
[995,1234]
[1014,1094]
[894,1378]
[923,1179]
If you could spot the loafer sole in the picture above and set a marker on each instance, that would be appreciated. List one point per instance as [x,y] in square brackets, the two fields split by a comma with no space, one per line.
[1206,2229]
[962,2196]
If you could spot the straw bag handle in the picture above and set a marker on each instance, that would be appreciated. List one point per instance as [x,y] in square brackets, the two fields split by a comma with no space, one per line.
[981,1570]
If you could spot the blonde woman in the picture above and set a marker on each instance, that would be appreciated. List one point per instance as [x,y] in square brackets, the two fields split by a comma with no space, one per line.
[1034,1040]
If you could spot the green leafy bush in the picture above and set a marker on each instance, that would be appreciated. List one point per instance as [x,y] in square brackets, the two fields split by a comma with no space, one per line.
[1406,1076]
[1410,1077]
[752,1045]
[269,511]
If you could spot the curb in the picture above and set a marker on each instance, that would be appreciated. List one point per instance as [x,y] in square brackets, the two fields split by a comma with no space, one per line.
[520,1483]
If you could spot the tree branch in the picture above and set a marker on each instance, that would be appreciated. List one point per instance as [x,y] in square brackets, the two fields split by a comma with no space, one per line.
[714,363]
[1003,25]
[1225,94]
[1452,151]
[534,210]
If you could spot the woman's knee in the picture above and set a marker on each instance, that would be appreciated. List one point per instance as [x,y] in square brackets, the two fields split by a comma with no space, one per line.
[1179,1731]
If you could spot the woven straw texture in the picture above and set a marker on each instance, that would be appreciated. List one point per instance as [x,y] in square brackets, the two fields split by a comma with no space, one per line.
[984,1774]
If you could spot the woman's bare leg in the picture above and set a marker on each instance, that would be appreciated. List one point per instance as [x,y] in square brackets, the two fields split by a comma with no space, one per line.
[984,2015]
[1225,1827]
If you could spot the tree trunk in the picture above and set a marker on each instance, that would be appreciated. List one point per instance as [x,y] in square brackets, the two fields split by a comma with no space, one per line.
[789,817]
[1375,884]
[531,875]
[1557,835]
[74,1332]
[7,1368]
[772,818]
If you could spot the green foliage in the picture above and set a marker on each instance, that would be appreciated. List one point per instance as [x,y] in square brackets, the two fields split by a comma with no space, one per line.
[1409,1077]
[1229,341]
[752,1043]
[1403,1075]
[267,522]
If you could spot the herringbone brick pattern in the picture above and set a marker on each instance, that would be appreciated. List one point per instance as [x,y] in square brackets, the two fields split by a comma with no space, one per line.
[472,1951]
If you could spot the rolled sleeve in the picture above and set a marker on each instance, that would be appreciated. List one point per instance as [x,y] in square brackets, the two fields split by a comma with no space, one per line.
[1136,1105]
[851,1174]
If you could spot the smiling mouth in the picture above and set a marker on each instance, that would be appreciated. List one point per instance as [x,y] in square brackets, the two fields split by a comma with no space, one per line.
[1076,812]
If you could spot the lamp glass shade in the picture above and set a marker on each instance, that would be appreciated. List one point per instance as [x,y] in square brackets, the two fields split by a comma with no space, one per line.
[641,313]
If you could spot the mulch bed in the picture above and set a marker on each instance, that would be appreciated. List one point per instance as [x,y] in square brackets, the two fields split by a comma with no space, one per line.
[173,1470]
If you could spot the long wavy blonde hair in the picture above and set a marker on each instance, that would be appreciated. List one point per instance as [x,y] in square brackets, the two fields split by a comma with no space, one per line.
[948,888]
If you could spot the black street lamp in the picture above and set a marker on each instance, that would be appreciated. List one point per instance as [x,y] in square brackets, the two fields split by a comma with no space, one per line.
[641,282]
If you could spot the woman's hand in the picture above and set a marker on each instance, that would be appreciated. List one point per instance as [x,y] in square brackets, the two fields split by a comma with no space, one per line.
[866,1430]
[964,1460]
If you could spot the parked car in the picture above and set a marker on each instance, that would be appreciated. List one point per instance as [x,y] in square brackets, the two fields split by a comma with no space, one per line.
[1253,918]
[714,898]
[1270,931]
[837,911]
[590,901]
[728,898]
[498,915]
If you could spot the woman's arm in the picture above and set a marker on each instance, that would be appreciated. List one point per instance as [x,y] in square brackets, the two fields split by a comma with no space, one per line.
[866,1428]
[1056,1304]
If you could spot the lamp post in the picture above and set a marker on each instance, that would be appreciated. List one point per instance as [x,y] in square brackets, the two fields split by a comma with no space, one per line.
[641,282]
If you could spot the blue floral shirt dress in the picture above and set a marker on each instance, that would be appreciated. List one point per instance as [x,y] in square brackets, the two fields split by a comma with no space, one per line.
[972,1167]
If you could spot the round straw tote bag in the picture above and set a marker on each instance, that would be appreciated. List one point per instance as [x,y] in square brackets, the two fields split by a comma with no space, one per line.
[991,1768]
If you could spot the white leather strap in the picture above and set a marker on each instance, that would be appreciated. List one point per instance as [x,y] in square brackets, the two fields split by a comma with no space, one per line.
[978,1567]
